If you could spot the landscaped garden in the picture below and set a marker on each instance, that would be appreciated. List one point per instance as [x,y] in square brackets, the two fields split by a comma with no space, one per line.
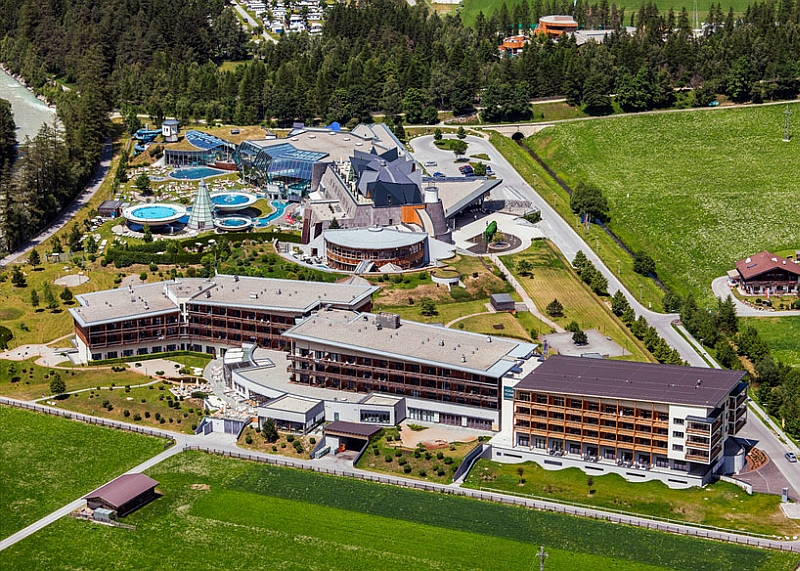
[283,443]
[230,514]
[720,504]
[48,461]
[152,405]
[435,462]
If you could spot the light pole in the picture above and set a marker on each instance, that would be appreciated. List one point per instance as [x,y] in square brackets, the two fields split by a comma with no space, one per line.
[619,268]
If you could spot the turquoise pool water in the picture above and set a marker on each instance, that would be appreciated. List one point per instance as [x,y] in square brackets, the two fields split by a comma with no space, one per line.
[280,209]
[223,199]
[196,173]
[233,222]
[154,212]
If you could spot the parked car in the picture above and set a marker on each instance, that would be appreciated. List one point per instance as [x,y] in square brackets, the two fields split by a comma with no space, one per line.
[466,169]
[791,457]
[439,175]
[430,163]
[489,170]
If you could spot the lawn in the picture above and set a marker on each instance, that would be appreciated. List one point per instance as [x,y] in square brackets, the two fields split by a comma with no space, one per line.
[218,513]
[147,406]
[644,288]
[471,7]
[720,504]
[503,325]
[782,335]
[48,462]
[433,464]
[33,380]
[720,186]
[552,280]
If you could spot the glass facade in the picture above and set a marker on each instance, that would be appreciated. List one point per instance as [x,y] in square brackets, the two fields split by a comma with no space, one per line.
[282,166]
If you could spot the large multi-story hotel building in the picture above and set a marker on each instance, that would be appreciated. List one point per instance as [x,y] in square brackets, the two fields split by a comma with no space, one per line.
[445,375]
[206,315]
[641,420]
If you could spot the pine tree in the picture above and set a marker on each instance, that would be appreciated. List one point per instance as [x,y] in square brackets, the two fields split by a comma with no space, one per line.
[580,261]
[66,295]
[619,303]
[50,300]
[555,309]
[34,299]
[18,278]
[269,430]
[33,258]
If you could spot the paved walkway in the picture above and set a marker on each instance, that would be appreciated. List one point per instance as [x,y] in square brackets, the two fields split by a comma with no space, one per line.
[524,295]
[227,447]
[722,290]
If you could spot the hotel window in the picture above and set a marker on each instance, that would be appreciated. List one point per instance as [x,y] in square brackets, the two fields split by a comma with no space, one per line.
[677,421]
[558,401]
[677,434]
[677,447]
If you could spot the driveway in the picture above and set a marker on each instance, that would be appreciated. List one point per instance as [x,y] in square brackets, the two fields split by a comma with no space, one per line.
[722,290]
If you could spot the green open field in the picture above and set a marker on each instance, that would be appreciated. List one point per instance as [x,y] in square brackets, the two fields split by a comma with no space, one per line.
[471,7]
[553,280]
[48,462]
[719,505]
[218,513]
[698,190]
[782,335]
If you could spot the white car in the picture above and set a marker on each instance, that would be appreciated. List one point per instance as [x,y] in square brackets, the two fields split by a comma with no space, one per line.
[430,163]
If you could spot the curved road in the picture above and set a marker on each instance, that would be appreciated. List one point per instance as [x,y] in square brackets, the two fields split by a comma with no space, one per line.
[68,213]
[556,229]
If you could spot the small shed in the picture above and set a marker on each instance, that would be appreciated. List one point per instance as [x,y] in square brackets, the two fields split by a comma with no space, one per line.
[502,302]
[341,435]
[170,129]
[123,495]
[110,208]
[102,514]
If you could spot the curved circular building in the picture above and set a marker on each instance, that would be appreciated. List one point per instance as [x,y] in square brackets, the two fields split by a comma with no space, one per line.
[374,247]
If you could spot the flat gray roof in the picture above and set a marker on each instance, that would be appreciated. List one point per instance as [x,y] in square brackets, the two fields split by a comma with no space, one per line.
[457,195]
[339,145]
[412,341]
[380,400]
[668,384]
[372,238]
[245,292]
[291,403]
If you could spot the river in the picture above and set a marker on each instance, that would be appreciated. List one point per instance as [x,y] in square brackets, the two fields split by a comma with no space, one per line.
[29,113]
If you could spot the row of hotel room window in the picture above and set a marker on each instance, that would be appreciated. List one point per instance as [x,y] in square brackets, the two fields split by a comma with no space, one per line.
[622,424]
[610,454]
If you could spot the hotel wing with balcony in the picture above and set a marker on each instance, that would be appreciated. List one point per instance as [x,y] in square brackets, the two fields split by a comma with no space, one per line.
[640,420]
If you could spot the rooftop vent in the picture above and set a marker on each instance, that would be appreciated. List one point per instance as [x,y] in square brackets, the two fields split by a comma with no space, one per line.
[253,295]
[441,342]
[463,358]
[389,320]
[748,260]
[236,278]
[208,294]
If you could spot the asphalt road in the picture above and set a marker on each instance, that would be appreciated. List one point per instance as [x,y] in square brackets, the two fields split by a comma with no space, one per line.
[252,23]
[70,211]
[569,242]
[555,228]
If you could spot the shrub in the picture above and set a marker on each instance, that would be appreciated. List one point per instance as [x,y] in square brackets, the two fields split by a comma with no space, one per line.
[428,456]
[162,420]
[439,455]
[398,453]
[126,413]
[402,461]
[248,439]
[448,460]
[376,452]
[137,416]
[407,469]
[274,448]
[194,426]
[147,414]
[158,416]
[158,374]
[290,438]
[388,458]
[440,473]
[283,445]
[423,473]
[312,440]
[417,454]
[105,403]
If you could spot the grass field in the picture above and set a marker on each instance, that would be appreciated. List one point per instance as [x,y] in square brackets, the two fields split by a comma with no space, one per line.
[218,513]
[719,504]
[471,7]
[698,190]
[35,380]
[150,403]
[49,461]
[552,280]
[644,288]
[782,335]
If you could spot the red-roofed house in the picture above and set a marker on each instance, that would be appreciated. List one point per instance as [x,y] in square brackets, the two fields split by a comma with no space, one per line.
[767,272]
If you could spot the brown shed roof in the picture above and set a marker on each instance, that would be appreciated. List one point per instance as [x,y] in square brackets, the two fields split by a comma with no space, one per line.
[764,262]
[671,384]
[342,428]
[120,491]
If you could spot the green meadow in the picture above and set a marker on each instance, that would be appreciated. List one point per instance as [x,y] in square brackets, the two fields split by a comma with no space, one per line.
[218,513]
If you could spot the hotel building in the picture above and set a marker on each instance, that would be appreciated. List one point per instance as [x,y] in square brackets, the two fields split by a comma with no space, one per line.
[643,421]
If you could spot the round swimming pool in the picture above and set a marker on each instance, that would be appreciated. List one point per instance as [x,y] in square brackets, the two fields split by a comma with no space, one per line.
[233,223]
[196,173]
[232,201]
[154,214]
